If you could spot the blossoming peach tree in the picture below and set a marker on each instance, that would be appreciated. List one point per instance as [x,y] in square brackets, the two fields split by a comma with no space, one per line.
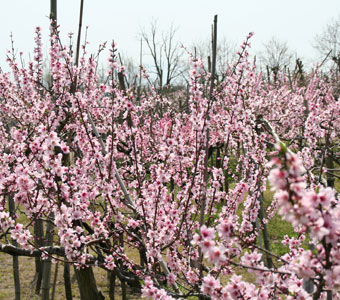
[109,175]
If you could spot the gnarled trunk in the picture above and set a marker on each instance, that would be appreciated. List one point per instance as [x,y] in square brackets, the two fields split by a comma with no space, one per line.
[87,285]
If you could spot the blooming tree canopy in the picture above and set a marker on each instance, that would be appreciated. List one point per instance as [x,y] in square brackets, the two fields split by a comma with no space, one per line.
[182,187]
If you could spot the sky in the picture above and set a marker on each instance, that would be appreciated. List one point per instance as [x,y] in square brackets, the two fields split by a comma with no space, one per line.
[294,21]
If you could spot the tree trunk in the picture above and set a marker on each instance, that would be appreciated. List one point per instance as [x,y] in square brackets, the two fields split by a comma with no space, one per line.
[46,280]
[266,240]
[329,295]
[308,284]
[111,276]
[87,285]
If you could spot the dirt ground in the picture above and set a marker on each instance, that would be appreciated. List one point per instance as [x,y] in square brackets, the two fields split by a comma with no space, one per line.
[27,270]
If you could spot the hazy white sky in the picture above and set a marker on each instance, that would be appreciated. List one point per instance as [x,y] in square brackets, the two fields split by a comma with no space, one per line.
[294,21]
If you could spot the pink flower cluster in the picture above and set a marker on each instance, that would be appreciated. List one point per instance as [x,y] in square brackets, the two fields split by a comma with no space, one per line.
[182,187]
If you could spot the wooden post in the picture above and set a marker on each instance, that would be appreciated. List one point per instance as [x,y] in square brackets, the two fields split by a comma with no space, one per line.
[67,281]
[122,281]
[53,10]
[38,237]
[79,31]
[55,280]
[206,160]
[16,274]
[139,90]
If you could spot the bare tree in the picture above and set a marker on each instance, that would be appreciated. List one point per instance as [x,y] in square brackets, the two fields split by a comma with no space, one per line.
[165,52]
[327,43]
[276,55]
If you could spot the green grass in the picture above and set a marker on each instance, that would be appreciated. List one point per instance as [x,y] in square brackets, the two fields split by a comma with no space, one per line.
[277,227]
